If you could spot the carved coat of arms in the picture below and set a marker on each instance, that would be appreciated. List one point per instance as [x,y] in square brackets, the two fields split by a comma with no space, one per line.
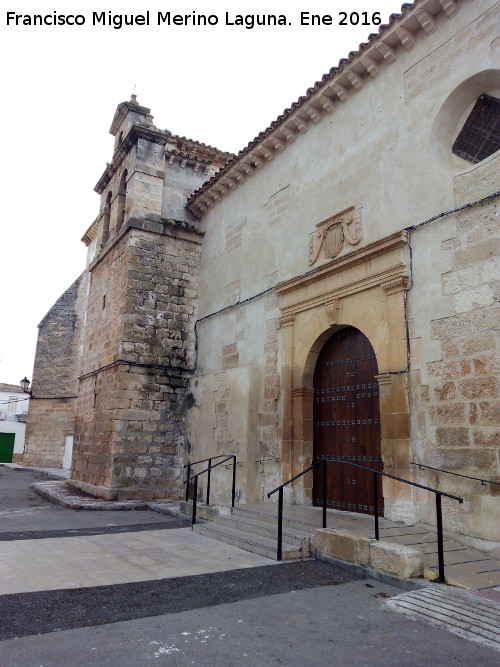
[333,233]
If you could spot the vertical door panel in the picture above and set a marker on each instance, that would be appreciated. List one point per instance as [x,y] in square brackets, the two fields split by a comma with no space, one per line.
[347,422]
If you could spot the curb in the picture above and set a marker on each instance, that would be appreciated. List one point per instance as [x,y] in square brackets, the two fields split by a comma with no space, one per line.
[73,502]
[365,573]
[56,491]
[50,473]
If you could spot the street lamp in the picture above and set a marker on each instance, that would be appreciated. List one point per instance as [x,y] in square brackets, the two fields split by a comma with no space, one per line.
[25,383]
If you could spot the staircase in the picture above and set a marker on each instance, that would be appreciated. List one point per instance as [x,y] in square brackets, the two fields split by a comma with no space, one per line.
[255,529]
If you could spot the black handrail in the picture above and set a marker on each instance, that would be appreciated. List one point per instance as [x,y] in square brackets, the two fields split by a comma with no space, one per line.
[193,463]
[202,472]
[457,474]
[439,514]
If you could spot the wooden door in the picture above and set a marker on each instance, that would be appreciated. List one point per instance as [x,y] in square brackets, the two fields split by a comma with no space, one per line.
[6,447]
[347,422]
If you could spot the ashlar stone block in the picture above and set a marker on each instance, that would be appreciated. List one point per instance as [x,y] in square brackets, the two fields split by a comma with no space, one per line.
[396,559]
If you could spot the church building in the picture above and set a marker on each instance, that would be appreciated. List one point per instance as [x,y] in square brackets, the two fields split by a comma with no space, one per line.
[330,292]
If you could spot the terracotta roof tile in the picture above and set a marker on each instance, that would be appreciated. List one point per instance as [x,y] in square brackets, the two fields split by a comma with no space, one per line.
[405,8]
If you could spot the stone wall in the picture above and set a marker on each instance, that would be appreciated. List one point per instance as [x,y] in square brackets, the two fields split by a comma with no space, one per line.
[455,382]
[263,231]
[51,413]
[138,357]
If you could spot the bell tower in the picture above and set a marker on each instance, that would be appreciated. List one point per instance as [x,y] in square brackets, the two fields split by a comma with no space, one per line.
[138,349]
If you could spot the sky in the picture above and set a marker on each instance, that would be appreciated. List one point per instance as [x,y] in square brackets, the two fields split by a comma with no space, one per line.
[220,84]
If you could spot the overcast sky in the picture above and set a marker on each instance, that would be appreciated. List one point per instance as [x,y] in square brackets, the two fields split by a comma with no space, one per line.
[219,84]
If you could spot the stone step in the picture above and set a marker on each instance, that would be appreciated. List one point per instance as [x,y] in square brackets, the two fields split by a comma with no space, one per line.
[249,541]
[248,524]
[272,518]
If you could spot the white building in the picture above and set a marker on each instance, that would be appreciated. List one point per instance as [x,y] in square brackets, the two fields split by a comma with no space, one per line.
[13,409]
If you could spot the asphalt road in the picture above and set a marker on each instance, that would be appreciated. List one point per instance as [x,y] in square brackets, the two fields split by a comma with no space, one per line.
[343,625]
[25,515]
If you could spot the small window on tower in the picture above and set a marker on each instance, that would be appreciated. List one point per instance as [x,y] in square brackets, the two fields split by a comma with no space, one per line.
[104,302]
[480,136]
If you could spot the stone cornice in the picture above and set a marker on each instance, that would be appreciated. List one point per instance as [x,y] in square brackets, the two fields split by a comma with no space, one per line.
[121,113]
[286,320]
[91,232]
[135,133]
[351,75]
[186,160]
[153,224]
[338,265]
[199,150]
[397,285]
[383,379]
[302,392]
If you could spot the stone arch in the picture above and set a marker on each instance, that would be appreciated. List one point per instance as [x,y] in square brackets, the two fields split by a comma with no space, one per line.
[453,113]
[356,312]
[368,295]
[346,421]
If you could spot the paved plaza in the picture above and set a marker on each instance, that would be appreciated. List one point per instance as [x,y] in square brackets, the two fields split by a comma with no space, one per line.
[128,587]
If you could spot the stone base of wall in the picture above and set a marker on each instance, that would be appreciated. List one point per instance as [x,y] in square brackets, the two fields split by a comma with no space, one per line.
[130,444]
[119,493]
[50,420]
[389,558]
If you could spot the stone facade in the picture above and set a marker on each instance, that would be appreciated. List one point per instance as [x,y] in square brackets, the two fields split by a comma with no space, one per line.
[215,281]
[454,378]
[51,416]
[138,348]
[138,355]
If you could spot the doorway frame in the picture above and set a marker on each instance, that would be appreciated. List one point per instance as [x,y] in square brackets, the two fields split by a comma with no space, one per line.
[365,289]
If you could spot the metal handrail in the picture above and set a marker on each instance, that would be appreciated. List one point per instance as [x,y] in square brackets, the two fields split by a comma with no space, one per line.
[193,463]
[208,470]
[457,474]
[280,502]
[438,494]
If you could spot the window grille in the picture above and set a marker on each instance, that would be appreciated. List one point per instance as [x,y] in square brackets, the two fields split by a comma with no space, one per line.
[480,136]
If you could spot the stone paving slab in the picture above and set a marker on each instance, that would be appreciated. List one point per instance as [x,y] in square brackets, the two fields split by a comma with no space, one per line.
[431,547]
[460,556]
[74,562]
[460,573]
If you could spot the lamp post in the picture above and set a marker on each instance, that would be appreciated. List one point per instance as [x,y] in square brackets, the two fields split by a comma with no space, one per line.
[25,383]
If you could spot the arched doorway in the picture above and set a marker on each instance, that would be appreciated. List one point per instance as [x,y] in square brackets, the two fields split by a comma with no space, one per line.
[346,422]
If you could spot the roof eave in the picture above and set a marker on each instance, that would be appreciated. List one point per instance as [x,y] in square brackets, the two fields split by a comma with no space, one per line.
[342,81]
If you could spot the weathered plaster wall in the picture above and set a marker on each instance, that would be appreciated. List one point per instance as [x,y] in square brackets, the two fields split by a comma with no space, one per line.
[386,151]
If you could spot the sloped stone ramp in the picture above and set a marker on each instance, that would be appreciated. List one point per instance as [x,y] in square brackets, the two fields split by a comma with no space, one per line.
[465,615]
